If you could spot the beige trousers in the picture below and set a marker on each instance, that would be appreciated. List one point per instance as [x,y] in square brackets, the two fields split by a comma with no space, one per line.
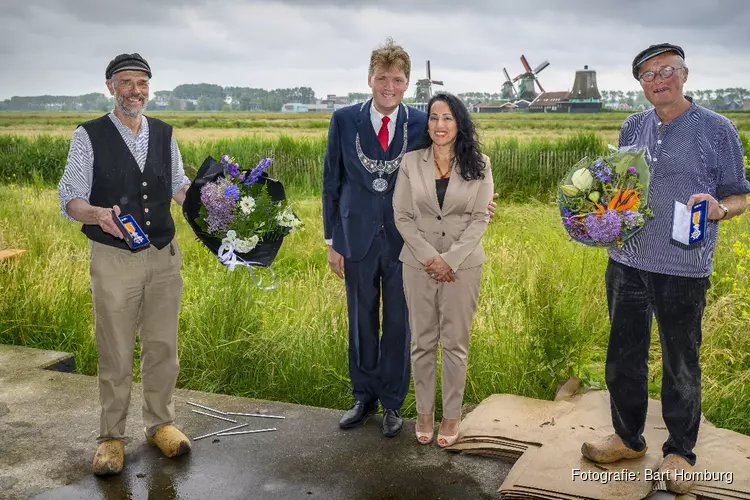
[136,292]
[440,312]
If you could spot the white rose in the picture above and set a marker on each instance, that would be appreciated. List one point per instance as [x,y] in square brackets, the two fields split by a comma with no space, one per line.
[244,246]
[230,237]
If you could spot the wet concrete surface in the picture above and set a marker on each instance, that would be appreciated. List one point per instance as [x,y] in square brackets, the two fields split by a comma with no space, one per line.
[47,443]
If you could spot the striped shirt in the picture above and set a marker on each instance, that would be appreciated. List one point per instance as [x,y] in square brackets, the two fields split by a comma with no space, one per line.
[697,152]
[79,170]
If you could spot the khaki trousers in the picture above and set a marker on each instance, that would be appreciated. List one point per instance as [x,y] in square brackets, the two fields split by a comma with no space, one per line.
[136,292]
[440,312]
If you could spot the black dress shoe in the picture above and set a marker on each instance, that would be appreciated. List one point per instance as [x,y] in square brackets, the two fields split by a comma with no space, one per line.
[392,422]
[358,414]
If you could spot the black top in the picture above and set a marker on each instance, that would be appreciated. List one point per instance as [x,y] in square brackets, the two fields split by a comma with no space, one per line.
[441,185]
[119,181]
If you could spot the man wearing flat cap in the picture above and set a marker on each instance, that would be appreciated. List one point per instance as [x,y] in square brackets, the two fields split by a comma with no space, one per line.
[696,155]
[130,164]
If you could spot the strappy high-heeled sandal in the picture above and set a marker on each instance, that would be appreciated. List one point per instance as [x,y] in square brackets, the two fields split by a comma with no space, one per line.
[444,441]
[426,437]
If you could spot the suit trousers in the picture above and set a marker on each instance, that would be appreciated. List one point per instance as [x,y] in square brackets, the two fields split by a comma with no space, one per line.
[378,365]
[441,312]
[136,292]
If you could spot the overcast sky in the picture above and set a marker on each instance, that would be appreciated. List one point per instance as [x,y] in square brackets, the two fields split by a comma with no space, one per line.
[62,47]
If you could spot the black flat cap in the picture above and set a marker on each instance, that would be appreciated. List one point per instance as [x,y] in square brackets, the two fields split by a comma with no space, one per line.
[652,51]
[125,62]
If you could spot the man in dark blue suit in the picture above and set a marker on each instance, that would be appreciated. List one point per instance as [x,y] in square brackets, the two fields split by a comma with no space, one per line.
[366,143]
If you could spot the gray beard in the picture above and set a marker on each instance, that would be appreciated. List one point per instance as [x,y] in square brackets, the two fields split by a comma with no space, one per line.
[125,110]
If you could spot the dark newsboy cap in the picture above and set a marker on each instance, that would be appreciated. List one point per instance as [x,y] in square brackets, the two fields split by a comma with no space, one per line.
[652,51]
[125,62]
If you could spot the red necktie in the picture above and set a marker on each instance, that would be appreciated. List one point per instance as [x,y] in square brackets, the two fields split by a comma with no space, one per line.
[383,134]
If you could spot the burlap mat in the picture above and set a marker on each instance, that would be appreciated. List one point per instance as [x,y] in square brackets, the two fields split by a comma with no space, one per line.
[548,436]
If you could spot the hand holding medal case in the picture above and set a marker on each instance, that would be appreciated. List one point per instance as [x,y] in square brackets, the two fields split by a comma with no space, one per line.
[134,235]
[689,226]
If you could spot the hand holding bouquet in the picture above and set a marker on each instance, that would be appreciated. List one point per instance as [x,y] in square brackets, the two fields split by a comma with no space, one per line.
[604,202]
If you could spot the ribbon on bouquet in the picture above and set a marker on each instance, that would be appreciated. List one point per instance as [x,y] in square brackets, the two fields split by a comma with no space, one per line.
[227,257]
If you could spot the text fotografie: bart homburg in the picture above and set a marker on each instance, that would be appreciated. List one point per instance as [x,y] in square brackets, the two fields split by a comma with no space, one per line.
[609,476]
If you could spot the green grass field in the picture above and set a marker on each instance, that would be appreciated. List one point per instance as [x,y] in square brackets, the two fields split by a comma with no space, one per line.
[542,312]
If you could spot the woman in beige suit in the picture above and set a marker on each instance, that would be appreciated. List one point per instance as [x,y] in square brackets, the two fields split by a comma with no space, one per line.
[440,205]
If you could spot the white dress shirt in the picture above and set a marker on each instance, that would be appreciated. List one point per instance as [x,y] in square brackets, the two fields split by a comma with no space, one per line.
[377,121]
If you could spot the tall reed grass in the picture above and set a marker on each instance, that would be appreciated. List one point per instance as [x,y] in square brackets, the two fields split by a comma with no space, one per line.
[521,169]
[541,316]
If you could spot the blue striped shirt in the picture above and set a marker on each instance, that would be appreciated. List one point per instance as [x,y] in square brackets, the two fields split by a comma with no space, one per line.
[79,170]
[697,152]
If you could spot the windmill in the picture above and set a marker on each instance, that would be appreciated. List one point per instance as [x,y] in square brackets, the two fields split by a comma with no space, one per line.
[526,86]
[424,86]
[585,96]
[508,93]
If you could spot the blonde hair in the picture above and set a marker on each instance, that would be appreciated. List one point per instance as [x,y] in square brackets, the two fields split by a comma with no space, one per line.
[389,55]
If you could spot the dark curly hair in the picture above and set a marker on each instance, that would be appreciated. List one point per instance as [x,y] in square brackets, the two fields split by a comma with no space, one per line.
[468,158]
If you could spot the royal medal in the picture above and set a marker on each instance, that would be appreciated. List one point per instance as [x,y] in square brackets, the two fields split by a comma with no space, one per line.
[698,216]
[380,184]
[134,235]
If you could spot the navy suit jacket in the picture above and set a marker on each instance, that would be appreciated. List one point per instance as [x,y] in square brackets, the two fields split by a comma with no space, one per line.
[353,212]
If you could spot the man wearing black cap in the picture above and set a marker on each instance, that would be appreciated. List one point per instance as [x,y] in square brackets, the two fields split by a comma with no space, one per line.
[127,163]
[696,155]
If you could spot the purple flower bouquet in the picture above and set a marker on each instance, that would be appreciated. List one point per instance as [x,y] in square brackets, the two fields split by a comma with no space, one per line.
[604,202]
[241,216]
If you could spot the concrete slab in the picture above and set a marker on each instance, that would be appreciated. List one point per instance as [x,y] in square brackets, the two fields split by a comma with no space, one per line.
[49,421]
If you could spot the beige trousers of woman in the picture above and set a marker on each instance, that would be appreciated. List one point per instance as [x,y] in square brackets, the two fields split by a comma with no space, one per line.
[440,312]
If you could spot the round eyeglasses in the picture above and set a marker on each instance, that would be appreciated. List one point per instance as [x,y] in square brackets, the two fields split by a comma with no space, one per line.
[665,73]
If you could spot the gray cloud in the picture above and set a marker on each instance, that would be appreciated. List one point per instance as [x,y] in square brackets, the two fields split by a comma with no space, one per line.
[62,47]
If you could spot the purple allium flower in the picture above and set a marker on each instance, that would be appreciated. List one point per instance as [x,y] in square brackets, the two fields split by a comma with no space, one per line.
[632,170]
[604,229]
[218,205]
[232,191]
[255,173]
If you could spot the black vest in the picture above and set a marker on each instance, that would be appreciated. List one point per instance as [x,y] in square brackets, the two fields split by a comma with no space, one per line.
[119,181]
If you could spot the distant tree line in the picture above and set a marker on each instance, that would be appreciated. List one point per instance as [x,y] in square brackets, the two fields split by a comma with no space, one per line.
[211,97]
[186,97]
[720,99]
[86,102]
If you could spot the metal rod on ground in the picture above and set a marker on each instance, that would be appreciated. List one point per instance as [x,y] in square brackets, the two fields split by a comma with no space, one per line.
[214,416]
[218,432]
[245,432]
[260,415]
[206,408]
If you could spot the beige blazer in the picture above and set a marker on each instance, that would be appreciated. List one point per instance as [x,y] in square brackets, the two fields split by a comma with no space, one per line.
[455,232]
